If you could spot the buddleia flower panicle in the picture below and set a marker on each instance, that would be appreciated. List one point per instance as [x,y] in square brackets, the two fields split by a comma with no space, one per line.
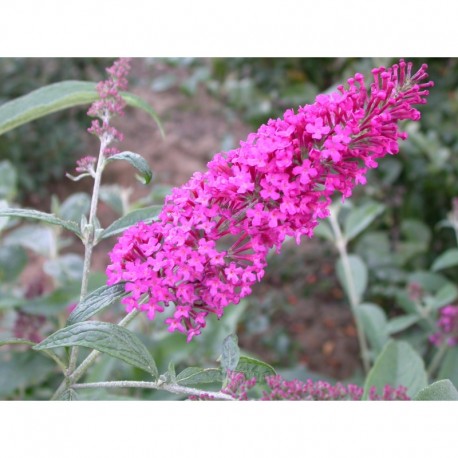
[210,242]
[276,388]
[109,105]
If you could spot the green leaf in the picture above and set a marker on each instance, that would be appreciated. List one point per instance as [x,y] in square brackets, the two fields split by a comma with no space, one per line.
[69,395]
[137,161]
[449,366]
[13,341]
[445,260]
[358,272]
[398,364]
[75,206]
[231,353]
[146,215]
[96,301]
[429,281]
[324,231]
[65,268]
[3,221]
[107,338]
[57,97]
[171,373]
[400,323]
[360,218]
[252,367]
[416,231]
[197,375]
[44,101]
[443,390]
[446,294]
[35,237]
[23,370]
[112,195]
[404,301]
[41,216]
[374,323]
[8,180]
[13,260]
[137,102]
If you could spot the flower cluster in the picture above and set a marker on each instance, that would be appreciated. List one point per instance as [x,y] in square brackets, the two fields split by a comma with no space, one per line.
[238,386]
[211,240]
[109,104]
[447,327]
[279,389]
[296,390]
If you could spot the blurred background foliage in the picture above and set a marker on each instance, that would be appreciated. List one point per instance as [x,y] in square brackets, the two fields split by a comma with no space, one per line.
[398,248]
[45,149]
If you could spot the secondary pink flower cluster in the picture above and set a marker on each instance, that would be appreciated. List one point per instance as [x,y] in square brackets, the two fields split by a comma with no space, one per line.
[279,389]
[109,104]
[295,390]
[447,327]
[210,242]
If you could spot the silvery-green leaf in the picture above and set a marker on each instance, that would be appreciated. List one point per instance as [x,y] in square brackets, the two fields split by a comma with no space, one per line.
[137,161]
[442,390]
[358,274]
[374,323]
[56,97]
[197,375]
[120,225]
[397,365]
[40,239]
[40,216]
[446,260]
[96,301]
[107,338]
[360,218]
[75,206]
[8,180]
[231,353]
[252,367]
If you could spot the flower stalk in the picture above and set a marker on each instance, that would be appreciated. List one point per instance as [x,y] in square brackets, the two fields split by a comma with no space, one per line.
[170,387]
[341,245]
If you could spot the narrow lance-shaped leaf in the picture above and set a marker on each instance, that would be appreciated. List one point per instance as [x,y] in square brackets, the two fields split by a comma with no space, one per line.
[147,215]
[137,161]
[56,97]
[41,216]
[137,102]
[14,341]
[96,301]
[107,338]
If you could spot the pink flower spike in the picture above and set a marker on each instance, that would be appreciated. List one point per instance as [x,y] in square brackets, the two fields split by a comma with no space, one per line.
[210,243]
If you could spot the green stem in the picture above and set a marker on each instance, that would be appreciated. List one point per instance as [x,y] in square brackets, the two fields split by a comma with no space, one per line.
[89,242]
[171,387]
[88,362]
[341,245]
[435,362]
